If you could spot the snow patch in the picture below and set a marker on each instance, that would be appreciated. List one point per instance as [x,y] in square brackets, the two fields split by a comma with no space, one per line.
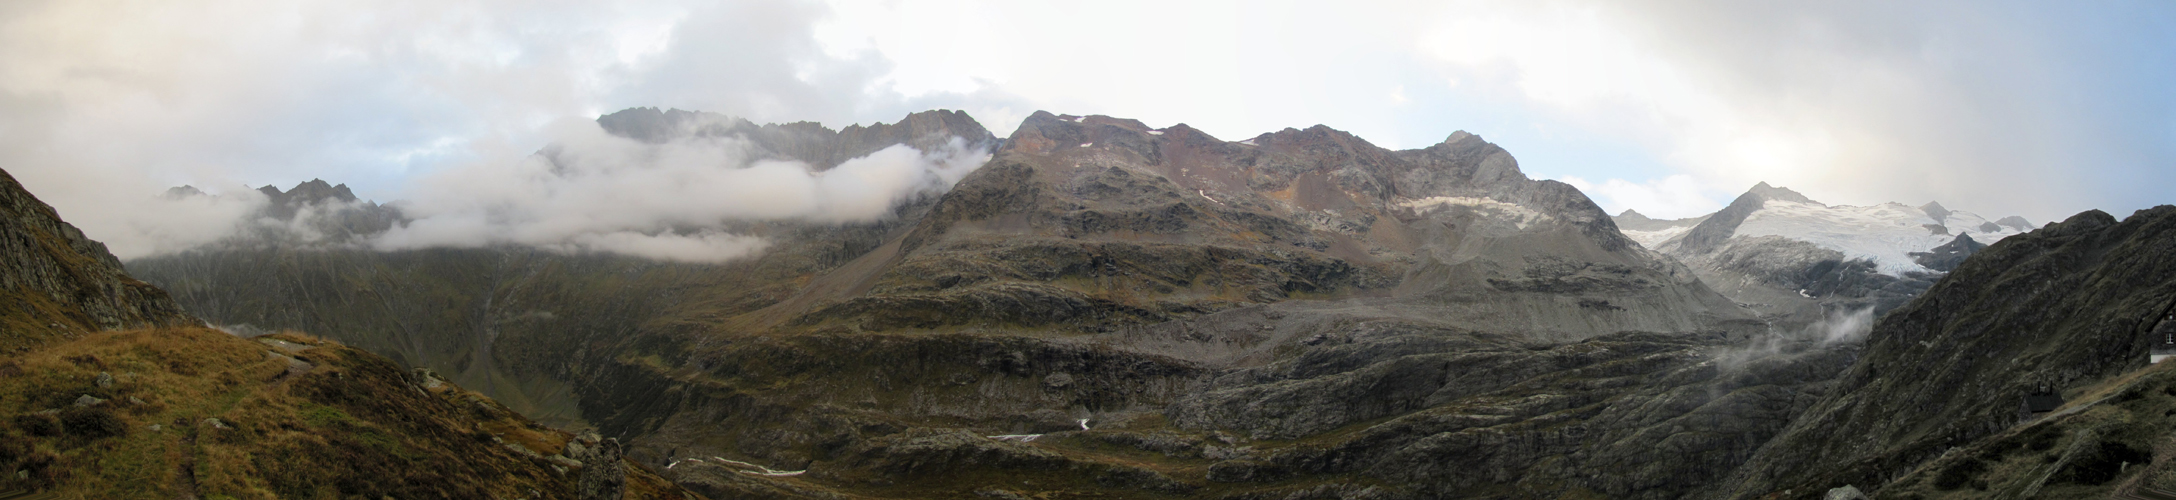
[1015,437]
[1088,144]
[745,467]
[1521,216]
[1248,142]
[1204,194]
[1654,239]
[1155,132]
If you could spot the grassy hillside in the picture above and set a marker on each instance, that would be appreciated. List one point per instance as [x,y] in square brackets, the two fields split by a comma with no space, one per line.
[176,413]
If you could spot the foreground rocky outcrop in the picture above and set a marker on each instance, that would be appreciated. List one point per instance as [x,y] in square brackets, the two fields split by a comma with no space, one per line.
[61,284]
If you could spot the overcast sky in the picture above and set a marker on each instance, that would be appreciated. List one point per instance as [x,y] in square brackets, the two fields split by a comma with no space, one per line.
[2040,109]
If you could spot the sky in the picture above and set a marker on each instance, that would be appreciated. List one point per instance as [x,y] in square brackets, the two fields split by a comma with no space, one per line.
[2039,109]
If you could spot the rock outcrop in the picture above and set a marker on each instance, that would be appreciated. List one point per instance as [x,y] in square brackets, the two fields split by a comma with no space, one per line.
[1947,257]
[60,282]
[604,472]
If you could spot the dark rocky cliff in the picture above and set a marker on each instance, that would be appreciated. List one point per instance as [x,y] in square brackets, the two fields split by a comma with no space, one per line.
[61,282]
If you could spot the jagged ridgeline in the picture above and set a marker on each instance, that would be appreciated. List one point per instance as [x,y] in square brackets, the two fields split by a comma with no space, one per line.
[110,391]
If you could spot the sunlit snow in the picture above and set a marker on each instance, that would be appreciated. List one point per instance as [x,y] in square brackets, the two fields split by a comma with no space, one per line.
[1654,239]
[1886,234]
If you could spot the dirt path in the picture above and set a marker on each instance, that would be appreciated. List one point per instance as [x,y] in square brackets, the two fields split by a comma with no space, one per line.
[185,475]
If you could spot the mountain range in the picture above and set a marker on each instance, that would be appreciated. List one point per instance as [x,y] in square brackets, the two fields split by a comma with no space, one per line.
[1111,310]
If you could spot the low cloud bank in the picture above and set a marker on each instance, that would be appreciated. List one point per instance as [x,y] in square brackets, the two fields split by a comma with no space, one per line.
[595,192]
[141,227]
[1840,326]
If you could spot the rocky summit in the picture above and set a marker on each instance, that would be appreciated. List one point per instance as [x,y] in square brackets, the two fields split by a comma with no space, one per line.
[1106,309]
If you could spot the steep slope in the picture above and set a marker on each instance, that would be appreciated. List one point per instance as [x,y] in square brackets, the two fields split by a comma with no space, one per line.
[63,284]
[195,412]
[2067,307]
[161,410]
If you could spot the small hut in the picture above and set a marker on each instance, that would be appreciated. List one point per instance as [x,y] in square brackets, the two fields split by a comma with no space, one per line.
[2038,403]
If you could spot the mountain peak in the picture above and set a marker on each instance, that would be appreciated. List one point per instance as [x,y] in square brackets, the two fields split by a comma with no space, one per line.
[1935,210]
[2015,222]
[1458,136]
[1767,192]
[180,192]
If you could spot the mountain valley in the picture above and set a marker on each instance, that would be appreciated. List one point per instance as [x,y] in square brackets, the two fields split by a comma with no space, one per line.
[1105,309]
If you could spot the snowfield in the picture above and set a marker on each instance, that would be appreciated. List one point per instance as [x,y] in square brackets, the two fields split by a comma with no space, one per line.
[1654,239]
[1886,234]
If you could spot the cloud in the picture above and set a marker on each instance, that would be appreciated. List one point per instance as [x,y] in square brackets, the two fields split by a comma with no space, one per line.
[162,225]
[106,103]
[1852,102]
[704,247]
[1673,197]
[596,192]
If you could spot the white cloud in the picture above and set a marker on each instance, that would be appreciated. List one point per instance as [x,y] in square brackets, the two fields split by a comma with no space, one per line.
[701,247]
[1673,197]
[162,225]
[1854,102]
[596,192]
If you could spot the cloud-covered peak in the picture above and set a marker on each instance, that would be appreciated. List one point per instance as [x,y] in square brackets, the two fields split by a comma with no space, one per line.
[670,185]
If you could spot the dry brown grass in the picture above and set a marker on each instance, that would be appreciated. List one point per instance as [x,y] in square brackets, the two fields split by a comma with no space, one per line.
[353,425]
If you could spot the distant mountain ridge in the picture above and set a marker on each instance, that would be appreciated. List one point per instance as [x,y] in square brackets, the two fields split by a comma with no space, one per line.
[811,142]
[1798,260]
[1885,234]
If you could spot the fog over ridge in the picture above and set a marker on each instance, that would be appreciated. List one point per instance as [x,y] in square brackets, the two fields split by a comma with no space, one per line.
[591,191]
[587,191]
